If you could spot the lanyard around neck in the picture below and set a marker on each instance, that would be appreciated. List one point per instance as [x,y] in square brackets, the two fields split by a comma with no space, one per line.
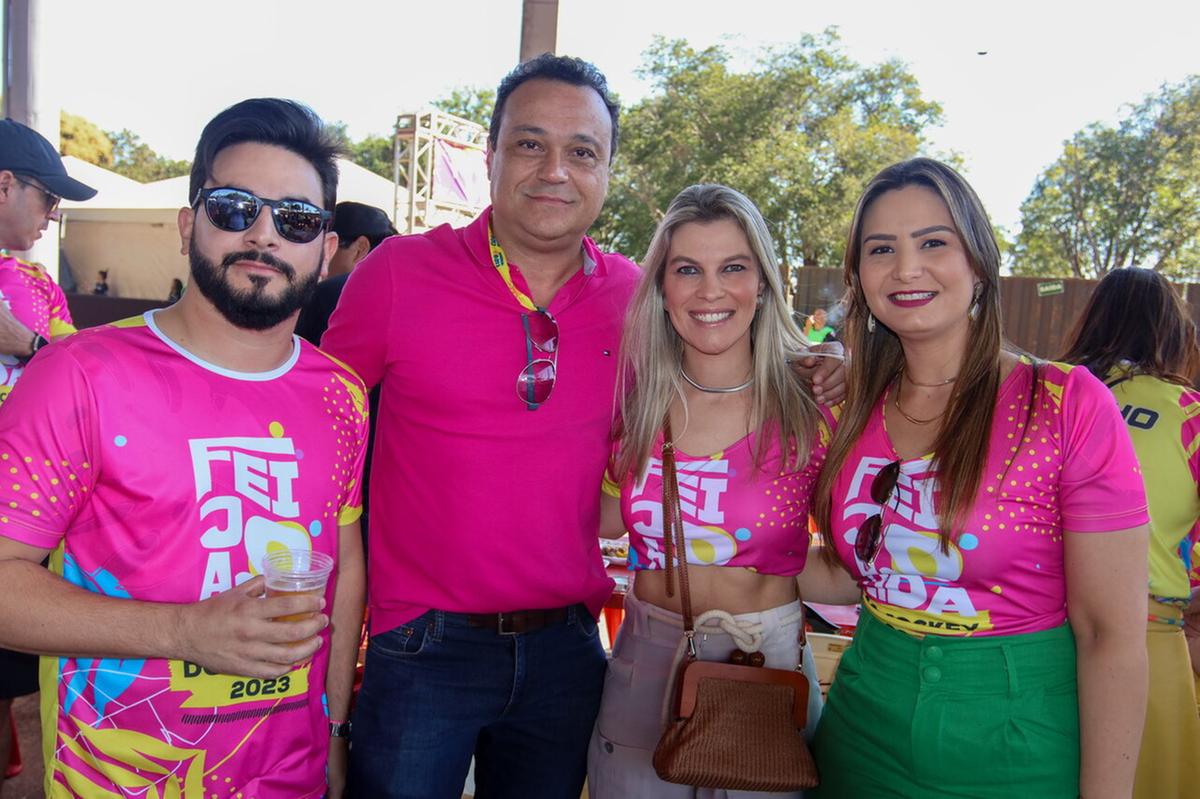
[500,261]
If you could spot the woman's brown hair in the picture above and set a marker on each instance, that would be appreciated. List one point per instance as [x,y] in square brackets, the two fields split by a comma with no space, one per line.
[961,446]
[1135,317]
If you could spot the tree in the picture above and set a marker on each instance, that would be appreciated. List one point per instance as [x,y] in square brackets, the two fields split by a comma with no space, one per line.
[469,102]
[1120,196]
[800,133]
[134,159]
[374,153]
[84,140]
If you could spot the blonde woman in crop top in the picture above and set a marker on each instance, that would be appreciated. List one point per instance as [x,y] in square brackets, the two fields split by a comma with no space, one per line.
[706,343]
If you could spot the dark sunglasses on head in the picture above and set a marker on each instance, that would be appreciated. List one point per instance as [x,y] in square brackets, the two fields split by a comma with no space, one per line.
[50,198]
[536,380]
[234,210]
[870,535]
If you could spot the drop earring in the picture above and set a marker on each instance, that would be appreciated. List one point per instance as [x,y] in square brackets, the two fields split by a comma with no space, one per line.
[870,322]
[973,311]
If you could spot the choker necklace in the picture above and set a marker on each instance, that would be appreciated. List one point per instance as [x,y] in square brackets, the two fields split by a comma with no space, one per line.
[913,419]
[716,389]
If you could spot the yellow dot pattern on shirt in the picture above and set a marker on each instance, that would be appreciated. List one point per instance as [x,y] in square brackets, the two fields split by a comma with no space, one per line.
[345,402]
[38,312]
[36,492]
[1028,480]
[228,789]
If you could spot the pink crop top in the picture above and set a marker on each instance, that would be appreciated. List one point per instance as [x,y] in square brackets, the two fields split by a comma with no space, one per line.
[733,513]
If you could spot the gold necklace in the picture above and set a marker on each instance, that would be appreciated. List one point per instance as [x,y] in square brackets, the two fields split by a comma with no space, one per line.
[938,384]
[913,419]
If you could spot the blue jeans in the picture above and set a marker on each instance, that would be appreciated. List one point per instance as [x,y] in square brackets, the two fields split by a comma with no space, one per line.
[436,692]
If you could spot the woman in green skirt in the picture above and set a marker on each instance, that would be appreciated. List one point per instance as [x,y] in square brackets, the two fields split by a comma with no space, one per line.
[989,511]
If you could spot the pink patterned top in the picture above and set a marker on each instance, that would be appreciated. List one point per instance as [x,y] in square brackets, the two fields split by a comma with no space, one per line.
[153,475]
[1073,468]
[37,302]
[734,514]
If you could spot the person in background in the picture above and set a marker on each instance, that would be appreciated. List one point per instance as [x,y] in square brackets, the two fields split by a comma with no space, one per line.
[101,287]
[990,511]
[1149,360]
[706,344]
[360,229]
[33,311]
[160,459]
[817,327]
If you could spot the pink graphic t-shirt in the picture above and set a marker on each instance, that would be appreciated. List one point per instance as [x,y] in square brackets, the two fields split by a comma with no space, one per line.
[733,513]
[153,475]
[1072,468]
[37,302]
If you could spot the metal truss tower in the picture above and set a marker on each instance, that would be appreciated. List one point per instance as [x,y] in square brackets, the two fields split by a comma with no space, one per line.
[418,206]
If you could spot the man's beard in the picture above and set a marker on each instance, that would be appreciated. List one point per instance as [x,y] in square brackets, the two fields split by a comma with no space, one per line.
[251,309]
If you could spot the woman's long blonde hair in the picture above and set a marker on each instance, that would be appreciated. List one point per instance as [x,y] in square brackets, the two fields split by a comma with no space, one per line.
[961,447]
[652,352]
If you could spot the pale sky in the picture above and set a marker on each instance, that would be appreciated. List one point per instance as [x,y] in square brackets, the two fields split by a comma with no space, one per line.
[162,68]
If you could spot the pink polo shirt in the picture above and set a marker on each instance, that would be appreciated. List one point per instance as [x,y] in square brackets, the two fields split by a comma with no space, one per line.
[478,504]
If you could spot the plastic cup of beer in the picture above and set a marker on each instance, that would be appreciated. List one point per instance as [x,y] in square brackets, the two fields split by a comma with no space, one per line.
[296,571]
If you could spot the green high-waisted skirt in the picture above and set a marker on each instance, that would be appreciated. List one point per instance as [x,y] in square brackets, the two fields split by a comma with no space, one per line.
[951,717]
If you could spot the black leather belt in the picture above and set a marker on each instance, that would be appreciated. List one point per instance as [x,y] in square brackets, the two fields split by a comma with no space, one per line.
[516,622]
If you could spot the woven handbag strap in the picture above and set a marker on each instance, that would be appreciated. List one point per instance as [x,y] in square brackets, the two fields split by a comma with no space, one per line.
[674,543]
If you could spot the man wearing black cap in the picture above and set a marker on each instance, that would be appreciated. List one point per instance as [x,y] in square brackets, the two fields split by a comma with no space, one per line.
[33,310]
[32,182]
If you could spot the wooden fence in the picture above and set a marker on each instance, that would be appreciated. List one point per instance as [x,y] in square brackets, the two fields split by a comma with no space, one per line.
[1039,313]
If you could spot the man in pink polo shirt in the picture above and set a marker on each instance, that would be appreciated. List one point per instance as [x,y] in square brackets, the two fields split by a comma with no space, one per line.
[496,345]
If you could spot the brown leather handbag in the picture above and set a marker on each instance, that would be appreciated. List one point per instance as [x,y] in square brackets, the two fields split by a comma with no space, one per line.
[732,726]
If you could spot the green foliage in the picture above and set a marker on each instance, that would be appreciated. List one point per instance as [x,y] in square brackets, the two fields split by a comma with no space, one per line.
[800,133]
[1121,196]
[469,102]
[134,159]
[373,152]
[124,152]
[84,140]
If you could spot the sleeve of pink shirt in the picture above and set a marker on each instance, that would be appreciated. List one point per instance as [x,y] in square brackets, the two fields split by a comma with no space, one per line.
[47,446]
[1101,487]
[61,323]
[1189,431]
[351,505]
[358,330]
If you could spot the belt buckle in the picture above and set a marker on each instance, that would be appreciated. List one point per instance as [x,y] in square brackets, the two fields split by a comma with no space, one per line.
[500,619]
